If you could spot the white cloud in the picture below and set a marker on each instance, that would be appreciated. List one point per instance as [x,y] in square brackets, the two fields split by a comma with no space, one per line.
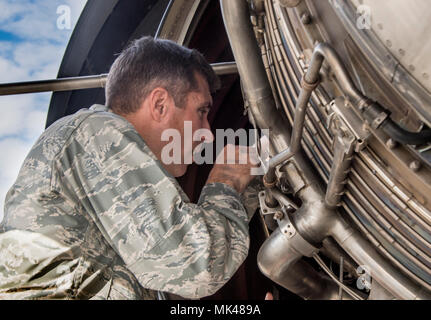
[10,72]
[23,115]
[14,152]
[32,52]
[11,161]
[37,20]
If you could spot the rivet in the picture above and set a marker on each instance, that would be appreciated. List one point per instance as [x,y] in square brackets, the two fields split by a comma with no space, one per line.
[278,215]
[391,143]
[415,165]
[365,127]
[306,18]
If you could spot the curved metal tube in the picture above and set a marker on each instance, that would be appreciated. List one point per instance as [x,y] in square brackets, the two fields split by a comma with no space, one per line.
[325,52]
[321,53]
[281,255]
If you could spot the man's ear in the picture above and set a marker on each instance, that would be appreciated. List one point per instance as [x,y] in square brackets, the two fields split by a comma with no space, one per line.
[160,101]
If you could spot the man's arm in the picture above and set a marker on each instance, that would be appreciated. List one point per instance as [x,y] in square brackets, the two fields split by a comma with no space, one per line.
[168,243]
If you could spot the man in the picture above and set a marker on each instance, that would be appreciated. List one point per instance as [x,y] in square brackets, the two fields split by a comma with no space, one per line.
[96,214]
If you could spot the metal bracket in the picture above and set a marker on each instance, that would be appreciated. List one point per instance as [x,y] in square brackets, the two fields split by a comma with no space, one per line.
[345,118]
[266,210]
[349,137]
[291,174]
[287,228]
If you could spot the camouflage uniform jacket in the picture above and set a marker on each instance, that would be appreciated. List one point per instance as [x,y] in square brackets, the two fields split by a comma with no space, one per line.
[94,215]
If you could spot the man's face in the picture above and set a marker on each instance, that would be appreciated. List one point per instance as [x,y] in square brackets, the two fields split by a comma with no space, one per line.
[195,110]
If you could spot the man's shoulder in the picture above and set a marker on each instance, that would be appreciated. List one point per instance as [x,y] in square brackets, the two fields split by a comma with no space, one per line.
[100,117]
[80,127]
[85,123]
[97,116]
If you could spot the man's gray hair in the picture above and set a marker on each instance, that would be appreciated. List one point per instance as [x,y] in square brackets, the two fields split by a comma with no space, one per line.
[150,63]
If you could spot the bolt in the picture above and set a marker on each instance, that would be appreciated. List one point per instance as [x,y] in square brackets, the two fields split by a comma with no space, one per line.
[306,18]
[278,215]
[391,143]
[365,127]
[415,165]
[284,185]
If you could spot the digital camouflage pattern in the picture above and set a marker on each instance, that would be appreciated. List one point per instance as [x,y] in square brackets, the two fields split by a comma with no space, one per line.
[94,215]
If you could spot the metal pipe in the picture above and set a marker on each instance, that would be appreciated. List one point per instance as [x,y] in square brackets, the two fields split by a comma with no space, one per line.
[62,84]
[309,82]
[280,259]
[299,118]
[222,68]
[302,103]
[85,82]
[363,252]
[347,85]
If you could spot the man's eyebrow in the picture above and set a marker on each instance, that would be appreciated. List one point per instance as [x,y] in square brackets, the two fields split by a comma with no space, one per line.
[206,104]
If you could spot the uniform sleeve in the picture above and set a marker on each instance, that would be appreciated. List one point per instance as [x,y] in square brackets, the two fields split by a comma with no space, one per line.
[250,196]
[168,243]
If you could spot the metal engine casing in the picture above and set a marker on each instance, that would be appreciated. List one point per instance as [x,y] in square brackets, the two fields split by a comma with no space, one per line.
[387,195]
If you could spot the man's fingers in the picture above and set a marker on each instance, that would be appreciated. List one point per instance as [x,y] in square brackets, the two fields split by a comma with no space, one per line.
[269,296]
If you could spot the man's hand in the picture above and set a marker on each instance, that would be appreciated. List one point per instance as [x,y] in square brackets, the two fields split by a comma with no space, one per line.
[269,296]
[235,168]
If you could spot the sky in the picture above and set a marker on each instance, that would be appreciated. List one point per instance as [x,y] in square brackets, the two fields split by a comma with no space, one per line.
[33,37]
